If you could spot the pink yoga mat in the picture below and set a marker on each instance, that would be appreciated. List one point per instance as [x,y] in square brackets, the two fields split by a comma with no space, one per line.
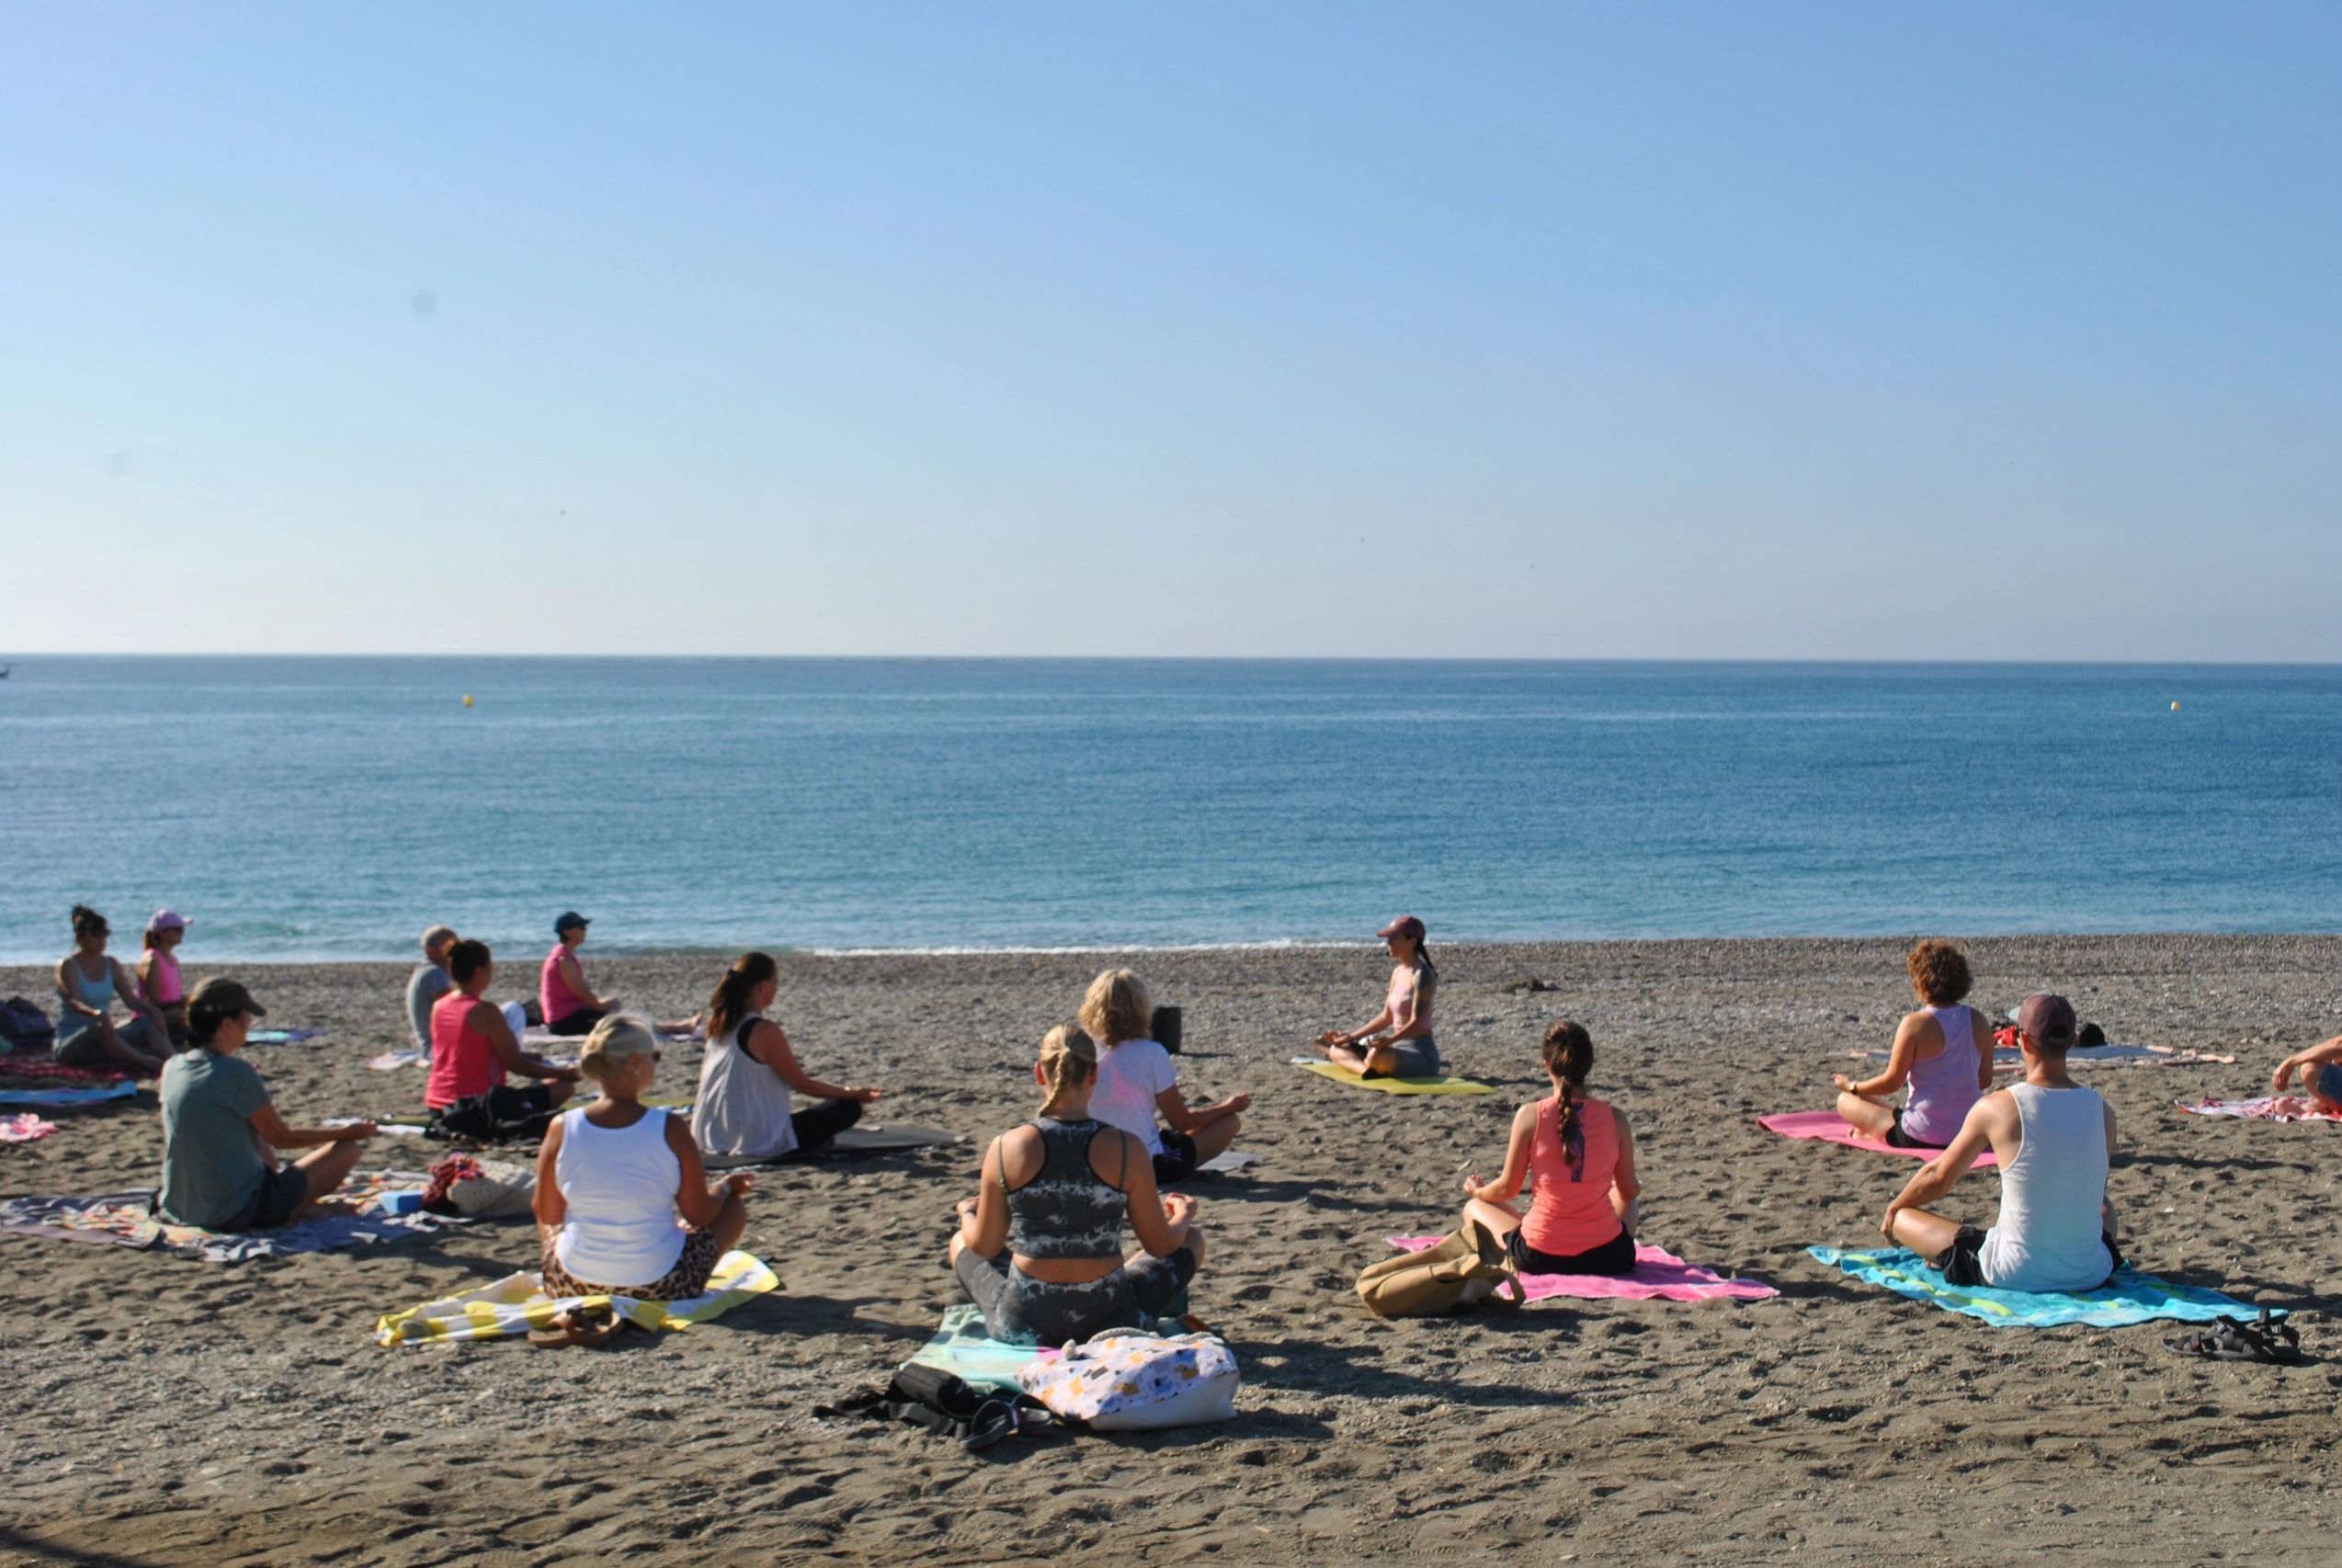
[1830,1128]
[1658,1274]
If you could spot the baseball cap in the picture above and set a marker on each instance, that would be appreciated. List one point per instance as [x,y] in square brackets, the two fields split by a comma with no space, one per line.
[166,920]
[1404,925]
[569,918]
[2048,1017]
[219,998]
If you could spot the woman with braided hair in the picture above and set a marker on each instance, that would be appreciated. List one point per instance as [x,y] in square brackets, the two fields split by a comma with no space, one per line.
[1580,1154]
[1040,1246]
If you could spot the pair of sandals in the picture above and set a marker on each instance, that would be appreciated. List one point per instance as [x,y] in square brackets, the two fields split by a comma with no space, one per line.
[588,1328]
[2266,1339]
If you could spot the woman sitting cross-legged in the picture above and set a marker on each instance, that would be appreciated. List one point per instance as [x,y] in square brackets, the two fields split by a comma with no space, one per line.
[613,1176]
[1580,1152]
[1944,1052]
[742,1106]
[1136,1080]
[1040,1247]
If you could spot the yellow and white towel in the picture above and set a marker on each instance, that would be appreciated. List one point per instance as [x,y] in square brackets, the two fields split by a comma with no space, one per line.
[517,1303]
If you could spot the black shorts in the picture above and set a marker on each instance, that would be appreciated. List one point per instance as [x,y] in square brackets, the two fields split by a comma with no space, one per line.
[1960,1265]
[1613,1257]
[1178,1161]
[282,1191]
[580,1022]
[1898,1139]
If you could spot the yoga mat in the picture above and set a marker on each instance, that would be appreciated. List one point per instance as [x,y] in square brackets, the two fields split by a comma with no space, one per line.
[40,1068]
[1445,1084]
[1659,1275]
[282,1036]
[25,1129]
[1830,1128]
[2130,1297]
[1234,1160]
[124,1218]
[962,1345]
[2269,1107]
[515,1304]
[122,1091]
[892,1139]
[391,1060]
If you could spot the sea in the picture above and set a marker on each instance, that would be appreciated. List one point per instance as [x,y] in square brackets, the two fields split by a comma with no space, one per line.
[299,808]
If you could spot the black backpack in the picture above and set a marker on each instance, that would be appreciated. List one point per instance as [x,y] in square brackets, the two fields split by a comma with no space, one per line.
[941,1402]
[24,1027]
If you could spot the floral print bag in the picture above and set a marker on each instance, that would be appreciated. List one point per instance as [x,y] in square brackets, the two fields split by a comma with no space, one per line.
[1125,1380]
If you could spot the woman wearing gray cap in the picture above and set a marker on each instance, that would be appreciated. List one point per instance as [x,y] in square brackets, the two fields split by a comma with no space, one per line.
[1397,1041]
[220,1125]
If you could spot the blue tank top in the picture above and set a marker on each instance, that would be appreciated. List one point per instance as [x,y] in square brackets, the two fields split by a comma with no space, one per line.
[1065,1210]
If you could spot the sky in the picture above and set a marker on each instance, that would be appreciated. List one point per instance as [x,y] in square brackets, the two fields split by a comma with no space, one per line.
[1700,330]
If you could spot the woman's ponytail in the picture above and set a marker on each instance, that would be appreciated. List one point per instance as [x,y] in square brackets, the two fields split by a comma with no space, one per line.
[730,1003]
[1068,1058]
[1569,1056]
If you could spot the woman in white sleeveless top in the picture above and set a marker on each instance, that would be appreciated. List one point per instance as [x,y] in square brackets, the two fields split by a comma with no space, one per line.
[744,1105]
[623,1203]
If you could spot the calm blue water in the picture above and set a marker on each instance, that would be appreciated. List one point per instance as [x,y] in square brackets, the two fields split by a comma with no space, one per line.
[312,808]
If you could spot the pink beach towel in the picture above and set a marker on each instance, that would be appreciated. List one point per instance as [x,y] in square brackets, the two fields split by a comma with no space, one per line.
[2272,1108]
[1828,1126]
[25,1129]
[1658,1274]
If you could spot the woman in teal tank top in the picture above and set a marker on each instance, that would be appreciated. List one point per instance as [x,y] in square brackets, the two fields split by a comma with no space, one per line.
[88,984]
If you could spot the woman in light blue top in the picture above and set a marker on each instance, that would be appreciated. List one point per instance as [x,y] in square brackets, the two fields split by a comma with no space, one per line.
[89,981]
[1944,1052]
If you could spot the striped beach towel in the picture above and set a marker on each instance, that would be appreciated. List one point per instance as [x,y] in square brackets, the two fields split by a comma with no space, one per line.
[515,1304]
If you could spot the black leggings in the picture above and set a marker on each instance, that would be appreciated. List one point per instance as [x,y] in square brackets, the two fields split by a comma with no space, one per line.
[580,1022]
[1613,1257]
[822,1121]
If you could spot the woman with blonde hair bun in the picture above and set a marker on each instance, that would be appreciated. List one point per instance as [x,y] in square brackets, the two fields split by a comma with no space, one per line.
[613,1177]
[1136,1079]
[1040,1246]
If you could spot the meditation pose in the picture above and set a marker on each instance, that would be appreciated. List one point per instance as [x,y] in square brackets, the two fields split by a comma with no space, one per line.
[2054,1140]
[748,1070]
[88,981]
[430,982]
[570,1005]
[473,1048]
[612,1177]
[1579,1152]
[220,1131]
[1040,1246]
[1135,1079]
[159,986]
[1943,1050]
[1396,1042]
[2318,1071]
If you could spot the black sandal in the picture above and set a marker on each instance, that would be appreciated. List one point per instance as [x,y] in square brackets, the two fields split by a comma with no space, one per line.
[2266,1339]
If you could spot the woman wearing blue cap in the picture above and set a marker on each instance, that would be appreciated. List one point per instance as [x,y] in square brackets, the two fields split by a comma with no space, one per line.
[571,1007]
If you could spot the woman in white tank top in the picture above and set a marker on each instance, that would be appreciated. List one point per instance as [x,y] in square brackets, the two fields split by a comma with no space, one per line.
[744,1105]
[623,1204]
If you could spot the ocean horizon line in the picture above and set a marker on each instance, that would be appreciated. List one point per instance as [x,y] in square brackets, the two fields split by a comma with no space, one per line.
[1669,660]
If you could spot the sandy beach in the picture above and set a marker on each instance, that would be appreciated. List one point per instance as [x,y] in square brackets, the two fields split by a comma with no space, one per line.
[169,1412]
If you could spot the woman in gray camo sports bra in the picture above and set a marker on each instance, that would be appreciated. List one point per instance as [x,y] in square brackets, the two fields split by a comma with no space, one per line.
[1040,1247]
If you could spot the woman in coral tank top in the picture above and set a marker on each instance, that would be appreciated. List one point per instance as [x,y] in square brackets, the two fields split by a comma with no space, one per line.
[1580,1151]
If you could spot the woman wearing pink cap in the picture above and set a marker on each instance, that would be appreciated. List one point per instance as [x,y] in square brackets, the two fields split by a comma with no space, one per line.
[158,972]
[1397,1041]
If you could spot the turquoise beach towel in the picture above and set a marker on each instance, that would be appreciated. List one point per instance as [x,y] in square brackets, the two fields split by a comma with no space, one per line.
[961,1346]
[2130,1297]
[122,1091]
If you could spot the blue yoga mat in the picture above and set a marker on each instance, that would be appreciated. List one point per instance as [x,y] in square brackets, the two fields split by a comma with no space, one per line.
[2130,1297]
[67,1096]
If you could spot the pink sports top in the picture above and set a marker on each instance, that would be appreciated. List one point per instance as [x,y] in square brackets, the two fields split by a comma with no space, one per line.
[1570,1211]
[168,991]
[463,1060]
[1404,992]
[552,992]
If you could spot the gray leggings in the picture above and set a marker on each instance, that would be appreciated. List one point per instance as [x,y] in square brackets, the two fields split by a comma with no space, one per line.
[81,1048]
[1418,1057]
[1021,1309]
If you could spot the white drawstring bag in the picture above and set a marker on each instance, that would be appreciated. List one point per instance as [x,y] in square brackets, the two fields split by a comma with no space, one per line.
[1129,1381]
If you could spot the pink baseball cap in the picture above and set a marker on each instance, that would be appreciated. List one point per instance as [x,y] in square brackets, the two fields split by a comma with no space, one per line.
[1404,925]
[167,920]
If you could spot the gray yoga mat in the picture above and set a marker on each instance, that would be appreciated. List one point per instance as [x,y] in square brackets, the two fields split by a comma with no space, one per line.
[894,1138]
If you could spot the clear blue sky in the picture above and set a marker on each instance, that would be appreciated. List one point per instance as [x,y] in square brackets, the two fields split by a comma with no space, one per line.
[1721,330]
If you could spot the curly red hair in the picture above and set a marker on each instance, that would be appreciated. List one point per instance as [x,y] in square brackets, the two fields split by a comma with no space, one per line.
[1939,971]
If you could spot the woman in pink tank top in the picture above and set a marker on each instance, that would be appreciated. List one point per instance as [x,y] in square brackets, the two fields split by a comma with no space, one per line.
[1580,1152]
[158,971]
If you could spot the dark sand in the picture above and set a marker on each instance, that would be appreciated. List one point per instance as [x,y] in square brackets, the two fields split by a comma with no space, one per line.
[178,1411]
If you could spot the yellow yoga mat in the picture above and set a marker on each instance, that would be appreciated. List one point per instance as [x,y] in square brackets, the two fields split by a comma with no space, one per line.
[1445,1084]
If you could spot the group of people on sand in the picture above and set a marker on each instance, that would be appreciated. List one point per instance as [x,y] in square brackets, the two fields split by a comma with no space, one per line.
[625,1205]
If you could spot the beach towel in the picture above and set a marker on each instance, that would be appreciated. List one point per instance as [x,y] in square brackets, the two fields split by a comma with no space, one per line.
[25,1129]
[45,1070]
[2269,1107]
[1830,1128]
[893,1139]
[391,1060]
[2130,1297]
[961,1347]
[513,1305]
[282,1036]
[1227,1163]
[122,1091]
[1659,1275]
[125,1218]
[2008,1059]
[1446,1084]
